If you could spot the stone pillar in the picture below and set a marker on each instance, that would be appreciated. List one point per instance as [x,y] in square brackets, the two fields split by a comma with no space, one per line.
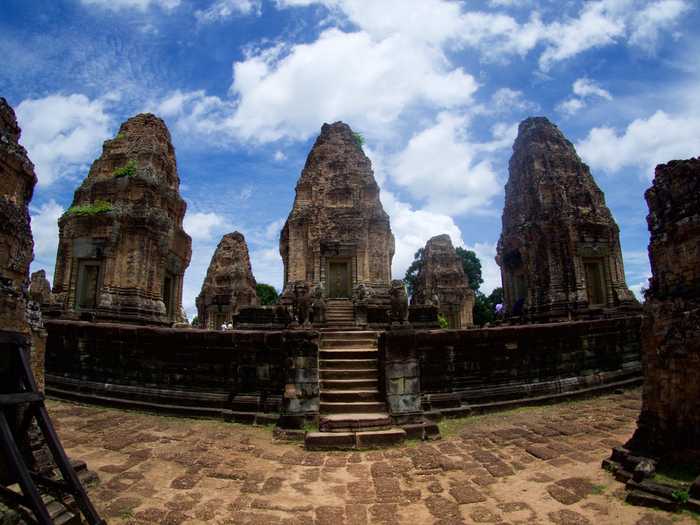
[669,424]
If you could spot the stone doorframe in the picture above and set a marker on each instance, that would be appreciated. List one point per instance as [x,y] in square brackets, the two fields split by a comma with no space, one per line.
[347,262]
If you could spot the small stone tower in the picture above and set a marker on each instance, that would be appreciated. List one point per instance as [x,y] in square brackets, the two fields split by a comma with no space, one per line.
[229,283]
[337,234]
[442,280]
[122,251]
[559,250]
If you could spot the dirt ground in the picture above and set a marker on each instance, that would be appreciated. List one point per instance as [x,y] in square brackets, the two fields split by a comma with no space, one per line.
[529,466]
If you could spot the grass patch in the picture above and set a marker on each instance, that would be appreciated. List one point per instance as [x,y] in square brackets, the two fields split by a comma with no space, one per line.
[90,209]
[676,475]
[359,139]
[599,489]
[126,171]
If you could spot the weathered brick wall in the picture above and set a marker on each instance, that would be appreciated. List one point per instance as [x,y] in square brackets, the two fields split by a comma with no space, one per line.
[450,369]
[236,374]
[670,418]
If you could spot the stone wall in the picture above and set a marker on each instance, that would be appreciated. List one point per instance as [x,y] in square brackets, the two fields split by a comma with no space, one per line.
[459,371]
[670,418]
[245,376]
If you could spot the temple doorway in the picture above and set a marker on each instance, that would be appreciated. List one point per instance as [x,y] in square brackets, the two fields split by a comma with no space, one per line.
[338,279]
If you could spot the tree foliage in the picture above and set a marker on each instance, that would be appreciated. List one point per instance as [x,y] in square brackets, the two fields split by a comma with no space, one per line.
[266,293]
[485,306]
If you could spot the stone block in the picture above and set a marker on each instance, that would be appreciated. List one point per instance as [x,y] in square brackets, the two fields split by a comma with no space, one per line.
[380,438]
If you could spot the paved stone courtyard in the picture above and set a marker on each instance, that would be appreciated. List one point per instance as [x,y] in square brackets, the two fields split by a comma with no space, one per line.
[530,466]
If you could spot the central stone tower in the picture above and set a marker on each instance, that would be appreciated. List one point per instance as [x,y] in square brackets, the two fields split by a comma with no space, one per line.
[337,234]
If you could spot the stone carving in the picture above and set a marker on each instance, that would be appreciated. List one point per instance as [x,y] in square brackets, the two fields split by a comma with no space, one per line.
[337,233]
[559,250]
[319,306]
[228,285]
[399,302]
[302,303]
[670,420]
[122,251]
[442,282]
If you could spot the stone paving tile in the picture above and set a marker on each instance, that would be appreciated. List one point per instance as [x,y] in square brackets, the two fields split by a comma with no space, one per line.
[525,467]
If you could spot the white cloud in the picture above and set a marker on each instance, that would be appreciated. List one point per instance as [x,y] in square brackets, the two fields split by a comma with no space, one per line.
[141,5]
[438,22]
[341,76]
[584,88]
[273,230]
[225,9]
[412,228]
[455,181]
[63,133]
[280,156]
[645,143]
[203,226]
[45,233]
[506,99]
[490,272]
[648,22]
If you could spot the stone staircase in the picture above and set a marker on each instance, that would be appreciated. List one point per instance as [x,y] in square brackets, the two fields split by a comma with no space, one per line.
[339,314]
[352,412]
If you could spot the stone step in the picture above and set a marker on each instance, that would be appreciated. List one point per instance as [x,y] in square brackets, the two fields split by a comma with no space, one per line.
[349,373]
[350,353]
[356,342]
[353,422]
[353,440]
[327,364]
[350,396]
[349,384]
[355,334]
[359,407]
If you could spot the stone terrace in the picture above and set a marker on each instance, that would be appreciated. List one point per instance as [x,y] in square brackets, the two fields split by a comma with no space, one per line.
[531,466]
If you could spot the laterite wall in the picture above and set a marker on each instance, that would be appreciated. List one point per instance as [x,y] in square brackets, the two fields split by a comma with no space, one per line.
[245,376]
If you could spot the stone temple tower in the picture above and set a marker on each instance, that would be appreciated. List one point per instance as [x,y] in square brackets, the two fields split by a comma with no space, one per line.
[122,251]
[337,234]
[229,283]
[559,250]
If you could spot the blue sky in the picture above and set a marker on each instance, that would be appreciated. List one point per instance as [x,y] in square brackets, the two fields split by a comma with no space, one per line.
[436,87]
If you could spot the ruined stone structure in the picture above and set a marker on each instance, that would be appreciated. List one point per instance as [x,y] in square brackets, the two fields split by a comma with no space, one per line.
[122,251]
[229,283]
[20,317]
[670,418]
[17,181]
[442,281]
[337,234]
[559,250]
[18,312]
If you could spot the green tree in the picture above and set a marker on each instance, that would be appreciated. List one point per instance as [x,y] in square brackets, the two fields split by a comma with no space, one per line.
[472,267]
[485,306]
[412,272]
[266,293]
[195,321]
